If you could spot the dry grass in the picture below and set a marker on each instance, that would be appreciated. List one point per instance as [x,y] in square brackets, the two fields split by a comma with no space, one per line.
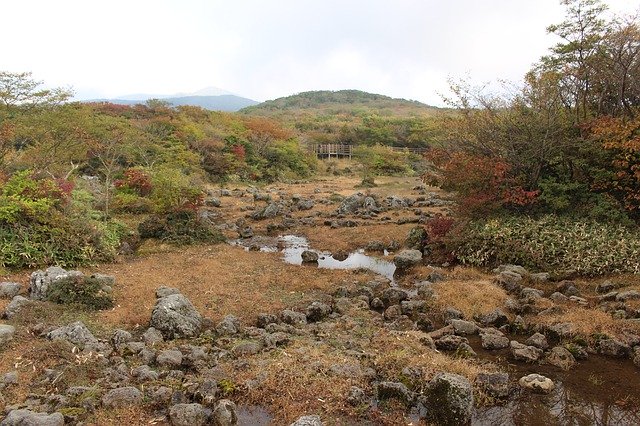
[587,322]
[473,295]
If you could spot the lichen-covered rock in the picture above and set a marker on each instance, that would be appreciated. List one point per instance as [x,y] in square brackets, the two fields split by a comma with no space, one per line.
[317,311]
[77,334]
[6,333]
[493,341]
[229,326]
[396,390]
[31,418]
[309,256]
[188,415]
[450,399]
[393,296]
[293,318]
[538,340]
[16,305]
[537,383]
[175,317]
[9,290]
[152,337]
[171,358]
[613,348]
[122,397]
[407,258]
[308,421]
[224,413]
[462,327]
[495,318]
[450,342]
[417,238]
[561,358]
[494,384]
[525,353]
[72,287]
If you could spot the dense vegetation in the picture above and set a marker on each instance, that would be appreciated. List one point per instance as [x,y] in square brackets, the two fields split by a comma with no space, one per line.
[567,142]
[354,117]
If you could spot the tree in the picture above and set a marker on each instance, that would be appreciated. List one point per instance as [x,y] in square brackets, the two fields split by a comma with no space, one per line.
[21,90]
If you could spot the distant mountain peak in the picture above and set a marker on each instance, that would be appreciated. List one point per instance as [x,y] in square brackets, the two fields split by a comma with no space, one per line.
[206,91]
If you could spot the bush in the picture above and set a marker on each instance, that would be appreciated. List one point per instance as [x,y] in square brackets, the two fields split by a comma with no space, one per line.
[382,160]
[550,243]
[173,190]
[179,227]
[80,290]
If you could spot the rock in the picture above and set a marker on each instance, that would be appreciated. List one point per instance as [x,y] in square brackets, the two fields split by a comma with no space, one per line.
[525,353]
[175,317]
[212,202]
[40,281]
[605,287]
[450,399]
[229,326]
[171,358]
[540,277]
[266,319]
[450,342]
[491,341]
[309,256]
[224,413]
[308,421]
[623,296]
[558,297]
[451,314]
[567,288]
[537,383]
[520,270]
[397,390]
[495,318]
[530,295]
[75,333]
[317,311]
[119,337]
[417,238]
[392,312]
[10,378]
[293,318]
[31,418]
[561,358]
[377,304]
[494,384]
[351,204]
[613,348]
[538,340]
[245,232]
[152,337]
[356,396]
[122,397]
[509,281]
[163,291]
[16,304]
[144,373]
[393,296]
[9,290]
[465,351]
[411,307]
[246,349]
[463,327]
[188,415]
[407,258]
[6,333]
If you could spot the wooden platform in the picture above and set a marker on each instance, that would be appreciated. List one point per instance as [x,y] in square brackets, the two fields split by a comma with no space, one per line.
[332,150]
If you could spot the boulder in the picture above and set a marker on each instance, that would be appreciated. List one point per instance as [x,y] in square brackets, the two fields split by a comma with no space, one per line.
[450,342]
[171,358]
[407,258]
[175,317]
[308,421]
[495,318]
[492,341]
[524,353]
[417,238]
[613,348]
[224,413]
[351,204]
[494,384]
[164,291]
[561,358]
[396,390]
[393,296]
[40,281]
[509,281]
[623,296]
[31,418]
[450,399]
[293,318]
[462,327]
[188,415]
[317,311]
[309,256]
[15,306]
[229,326]
[9,290]
[538,340]
[152,337]
[72,287]
[6,333]
[77,334]
[122,397]
[537,383]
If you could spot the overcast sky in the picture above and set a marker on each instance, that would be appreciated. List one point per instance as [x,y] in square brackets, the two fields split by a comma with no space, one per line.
[268,49]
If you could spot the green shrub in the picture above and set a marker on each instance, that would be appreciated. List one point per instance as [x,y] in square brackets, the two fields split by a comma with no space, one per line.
[79,290]
[131,203]
[550,243]
[179,227]
[382,160]
[173,190]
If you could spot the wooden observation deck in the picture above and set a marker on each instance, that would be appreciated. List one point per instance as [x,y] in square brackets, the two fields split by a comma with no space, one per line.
[334,150]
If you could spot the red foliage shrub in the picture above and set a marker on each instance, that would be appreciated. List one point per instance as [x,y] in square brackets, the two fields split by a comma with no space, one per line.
[137,180]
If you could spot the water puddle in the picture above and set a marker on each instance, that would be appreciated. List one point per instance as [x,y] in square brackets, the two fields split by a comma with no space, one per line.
[253,415]
[292,246]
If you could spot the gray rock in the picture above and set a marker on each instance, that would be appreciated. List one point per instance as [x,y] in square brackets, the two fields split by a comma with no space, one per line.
[9,290]
[558,297]
[188,415]
[450,399]
[450,342]
[163,291]
[392,312]
[509,281]
[6,333]
[377,303]
[41,281]
[393,296]
[175,317]
[308,421]
[212,202]
[31,418]
[520,270]
[119,337]
[540,277]
[122,397]
[530,294]
[152,337]
[293,318]
[567,288]
[144,373]
[537,383]
[463,327]
[356,396]
[605,287]
[15,306]
[411,307]
[171,358]
[525,353]
[397,390]
[538,340]
[351,204]
[407,258]
[623,296]
[245,232]
[266,319]
[561,358]
[492,341]
[317,311]
[77,334]
[246,349]
[224,413]
[494,384]
[613,348]
[451,314]
[229,326]
[495,318]
[309,256]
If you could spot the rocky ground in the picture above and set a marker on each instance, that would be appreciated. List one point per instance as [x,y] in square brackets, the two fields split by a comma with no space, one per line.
[229,334]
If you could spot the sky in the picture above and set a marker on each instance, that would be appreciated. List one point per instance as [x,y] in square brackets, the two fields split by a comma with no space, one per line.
[268,49]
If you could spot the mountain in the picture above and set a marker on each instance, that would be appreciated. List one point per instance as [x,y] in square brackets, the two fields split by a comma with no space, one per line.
[341,102]
[212,98]
[229,103]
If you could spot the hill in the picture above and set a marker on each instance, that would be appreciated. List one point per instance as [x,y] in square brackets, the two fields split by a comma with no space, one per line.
[228,103]
[341,101]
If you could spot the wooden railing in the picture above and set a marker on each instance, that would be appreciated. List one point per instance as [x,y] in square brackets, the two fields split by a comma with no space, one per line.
[334,150]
